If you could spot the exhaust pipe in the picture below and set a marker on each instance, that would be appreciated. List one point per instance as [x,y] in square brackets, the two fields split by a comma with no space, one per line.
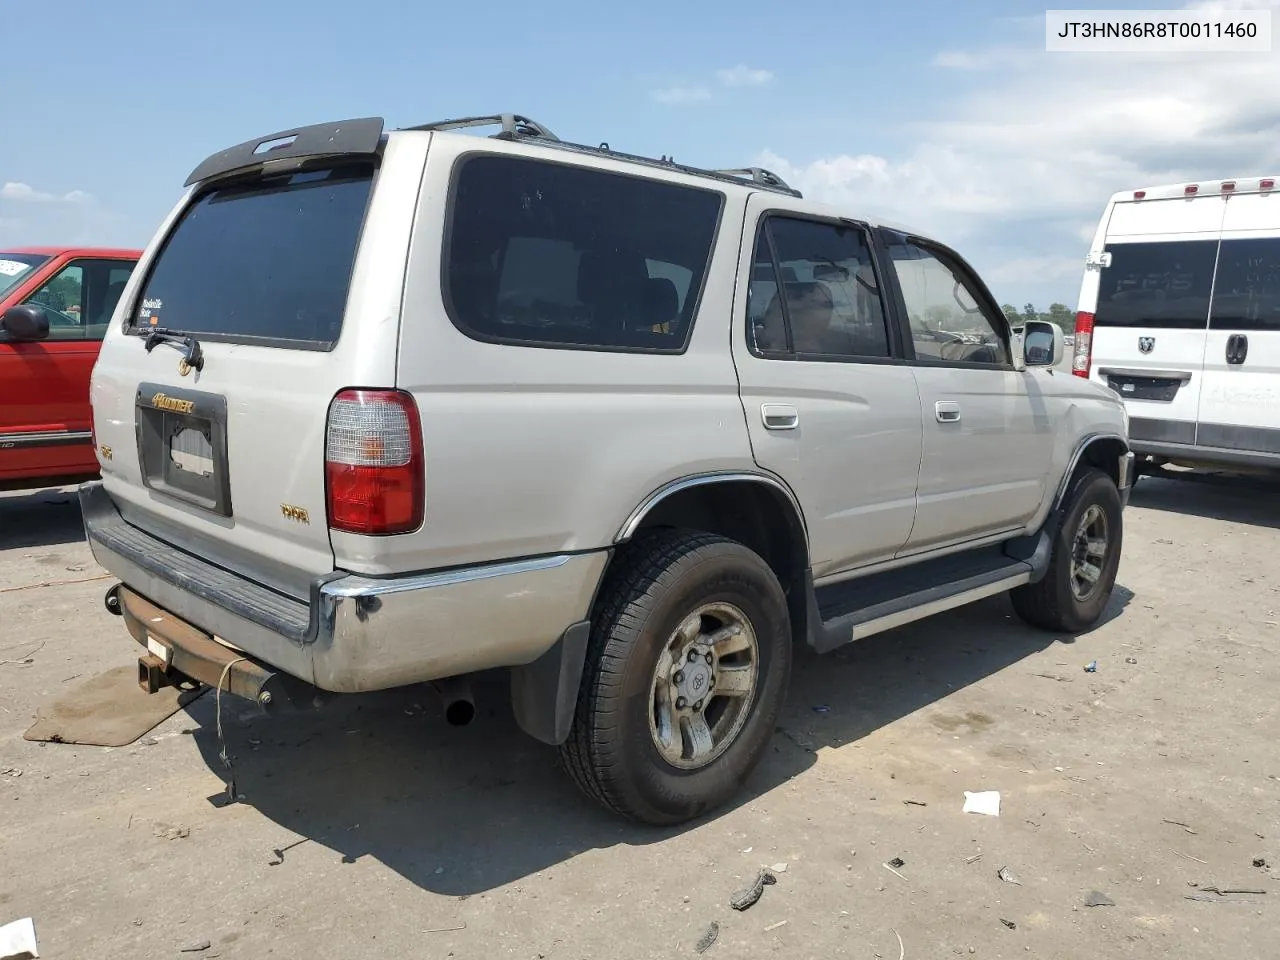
[459,707]
[112,601]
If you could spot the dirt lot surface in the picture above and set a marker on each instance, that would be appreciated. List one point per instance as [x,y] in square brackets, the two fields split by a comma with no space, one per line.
[372,829]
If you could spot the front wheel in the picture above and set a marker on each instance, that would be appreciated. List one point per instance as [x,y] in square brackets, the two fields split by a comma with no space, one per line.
[1086,557]
[686,673]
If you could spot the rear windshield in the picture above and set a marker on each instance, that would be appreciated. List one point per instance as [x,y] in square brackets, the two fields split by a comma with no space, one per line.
[264,262]
[15,266]
[1164,284]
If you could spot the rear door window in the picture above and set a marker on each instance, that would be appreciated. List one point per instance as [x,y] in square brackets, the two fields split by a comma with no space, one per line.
[548,254]
[1157,285]
[266,261]
[1246,293]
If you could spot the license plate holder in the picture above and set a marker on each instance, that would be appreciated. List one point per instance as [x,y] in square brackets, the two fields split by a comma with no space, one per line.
[182,445]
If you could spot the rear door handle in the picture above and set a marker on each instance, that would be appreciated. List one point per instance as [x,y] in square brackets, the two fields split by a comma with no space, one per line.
[1237,348]
[946,411]
[779,416]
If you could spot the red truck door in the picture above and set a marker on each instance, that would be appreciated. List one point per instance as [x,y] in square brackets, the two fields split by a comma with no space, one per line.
[45,419]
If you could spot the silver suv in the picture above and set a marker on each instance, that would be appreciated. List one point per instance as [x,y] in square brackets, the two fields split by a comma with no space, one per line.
[381,409]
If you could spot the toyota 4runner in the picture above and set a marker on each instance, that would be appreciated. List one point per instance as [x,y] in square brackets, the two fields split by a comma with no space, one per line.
[385,408]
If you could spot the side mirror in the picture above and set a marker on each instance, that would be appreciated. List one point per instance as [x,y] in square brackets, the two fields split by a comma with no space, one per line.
[25,322]
[1042,343]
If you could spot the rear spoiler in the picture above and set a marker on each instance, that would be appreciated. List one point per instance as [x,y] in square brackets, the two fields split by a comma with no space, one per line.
[345,138]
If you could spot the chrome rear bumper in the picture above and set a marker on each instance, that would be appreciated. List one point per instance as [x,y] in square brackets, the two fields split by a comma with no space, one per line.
[356,633]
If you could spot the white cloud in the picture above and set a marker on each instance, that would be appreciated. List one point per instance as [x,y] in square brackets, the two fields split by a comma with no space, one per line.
[1015,172]
[744,76]
[25,193]
[681,94]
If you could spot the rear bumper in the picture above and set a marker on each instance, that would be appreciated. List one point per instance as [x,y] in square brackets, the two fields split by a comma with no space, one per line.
[356,633]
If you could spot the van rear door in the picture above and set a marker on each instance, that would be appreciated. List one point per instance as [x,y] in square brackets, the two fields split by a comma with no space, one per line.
[1152,311]
[1240,399]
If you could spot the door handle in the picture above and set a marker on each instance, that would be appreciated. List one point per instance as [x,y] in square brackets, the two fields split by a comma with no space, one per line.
[1237,348]
[779,416]
[947,411]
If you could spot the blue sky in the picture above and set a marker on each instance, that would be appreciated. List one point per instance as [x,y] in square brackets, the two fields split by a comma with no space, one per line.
[949,116]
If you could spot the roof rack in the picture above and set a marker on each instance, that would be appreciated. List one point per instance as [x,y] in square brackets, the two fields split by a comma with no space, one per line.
[518,127]
[758,175]
[513,125]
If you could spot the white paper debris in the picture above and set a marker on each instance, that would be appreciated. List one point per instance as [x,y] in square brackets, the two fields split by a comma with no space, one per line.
[18,940]
[986,802]
[779,868]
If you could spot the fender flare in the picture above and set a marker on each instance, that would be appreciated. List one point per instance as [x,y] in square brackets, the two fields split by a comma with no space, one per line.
[636,517]
[1089,440]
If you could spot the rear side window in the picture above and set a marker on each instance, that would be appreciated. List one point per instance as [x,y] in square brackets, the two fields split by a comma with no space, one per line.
[1164,284]
[546,254]
[266,262]
[1246,294]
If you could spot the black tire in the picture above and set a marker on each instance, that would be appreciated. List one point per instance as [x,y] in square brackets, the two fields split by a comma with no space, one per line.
[1052,604]
[653,586]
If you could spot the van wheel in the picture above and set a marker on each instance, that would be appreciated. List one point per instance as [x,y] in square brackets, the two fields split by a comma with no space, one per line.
[1086,557]
[686,672]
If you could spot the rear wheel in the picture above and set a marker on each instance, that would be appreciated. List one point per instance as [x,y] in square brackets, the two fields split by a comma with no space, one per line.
[686,673]
[1086,557]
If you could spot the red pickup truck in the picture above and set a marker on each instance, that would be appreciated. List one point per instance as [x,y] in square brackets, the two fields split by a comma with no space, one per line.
[55,304]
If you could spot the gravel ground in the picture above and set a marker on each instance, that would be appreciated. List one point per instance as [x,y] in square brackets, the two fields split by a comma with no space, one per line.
[372,826]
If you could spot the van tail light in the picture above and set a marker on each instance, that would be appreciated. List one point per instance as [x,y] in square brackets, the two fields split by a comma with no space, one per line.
[373,459]
[1083,358]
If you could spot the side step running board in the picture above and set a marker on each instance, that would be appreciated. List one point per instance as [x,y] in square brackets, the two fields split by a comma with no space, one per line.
[860,608]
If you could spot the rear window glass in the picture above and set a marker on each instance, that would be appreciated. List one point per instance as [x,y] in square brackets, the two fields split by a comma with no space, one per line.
[1246,294]
[547,254]
[1164,284]
[267,261]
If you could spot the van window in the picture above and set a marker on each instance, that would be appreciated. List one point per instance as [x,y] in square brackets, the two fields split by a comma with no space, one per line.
[1246,294]
[546,254]
[1163,284]
[267,262]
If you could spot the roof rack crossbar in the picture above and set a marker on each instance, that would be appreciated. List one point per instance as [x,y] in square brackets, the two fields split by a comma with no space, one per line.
[757,175]
[513,125]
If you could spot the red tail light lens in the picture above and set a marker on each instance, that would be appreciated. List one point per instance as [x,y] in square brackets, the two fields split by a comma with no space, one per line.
[374,472]
[1083,359]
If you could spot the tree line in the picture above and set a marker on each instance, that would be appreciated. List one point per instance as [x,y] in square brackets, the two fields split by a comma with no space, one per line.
[1058,313]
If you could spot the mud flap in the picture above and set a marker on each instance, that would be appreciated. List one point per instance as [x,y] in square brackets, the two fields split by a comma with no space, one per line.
[544,693]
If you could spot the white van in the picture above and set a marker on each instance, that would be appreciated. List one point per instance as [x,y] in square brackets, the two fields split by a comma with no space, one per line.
[1179,313]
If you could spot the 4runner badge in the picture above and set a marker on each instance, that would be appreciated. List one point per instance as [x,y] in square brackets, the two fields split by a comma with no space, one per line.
[160,401]
[1146,344]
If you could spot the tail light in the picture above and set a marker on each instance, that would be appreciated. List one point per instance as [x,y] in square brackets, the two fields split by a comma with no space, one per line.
[373,458]
[1083,358]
